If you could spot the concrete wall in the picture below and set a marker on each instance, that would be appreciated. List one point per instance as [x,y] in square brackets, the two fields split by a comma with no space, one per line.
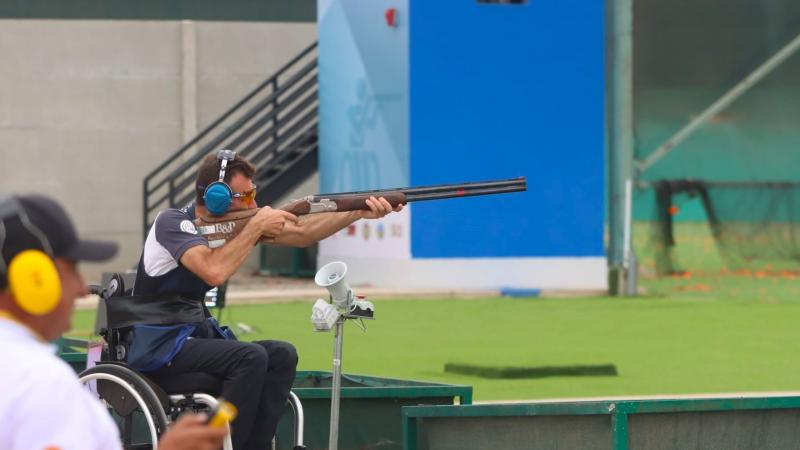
[88,108]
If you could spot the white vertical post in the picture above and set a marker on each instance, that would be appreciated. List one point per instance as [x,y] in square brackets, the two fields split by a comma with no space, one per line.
[628,257]
[620,130]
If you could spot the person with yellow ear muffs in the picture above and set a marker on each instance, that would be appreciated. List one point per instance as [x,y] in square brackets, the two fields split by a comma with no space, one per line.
[42,404]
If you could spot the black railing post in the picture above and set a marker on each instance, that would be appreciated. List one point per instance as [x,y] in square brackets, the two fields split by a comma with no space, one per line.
[145,210]
[172,192]
[275,109]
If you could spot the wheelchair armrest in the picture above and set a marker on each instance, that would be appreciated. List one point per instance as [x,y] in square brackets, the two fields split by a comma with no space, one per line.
[96,290]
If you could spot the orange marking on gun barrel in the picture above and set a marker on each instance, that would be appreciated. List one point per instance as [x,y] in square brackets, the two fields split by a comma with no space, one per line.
[461,192]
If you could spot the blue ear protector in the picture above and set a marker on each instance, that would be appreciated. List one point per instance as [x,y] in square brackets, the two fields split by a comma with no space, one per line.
[218,195]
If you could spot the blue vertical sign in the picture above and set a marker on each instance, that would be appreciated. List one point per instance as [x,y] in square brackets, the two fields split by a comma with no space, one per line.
[507,90]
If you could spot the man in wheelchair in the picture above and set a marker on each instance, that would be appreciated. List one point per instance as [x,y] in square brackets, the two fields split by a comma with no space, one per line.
[42,405]
[256,377]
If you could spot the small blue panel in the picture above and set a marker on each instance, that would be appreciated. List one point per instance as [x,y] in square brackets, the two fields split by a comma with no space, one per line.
[500,91]
[519,293]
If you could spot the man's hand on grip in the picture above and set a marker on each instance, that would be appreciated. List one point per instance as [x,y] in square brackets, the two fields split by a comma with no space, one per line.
[271,221]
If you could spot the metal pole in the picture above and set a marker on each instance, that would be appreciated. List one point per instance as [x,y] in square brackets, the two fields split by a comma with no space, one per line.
[629,258]
[723,102]
[620,131]
[627,231]
[336,387]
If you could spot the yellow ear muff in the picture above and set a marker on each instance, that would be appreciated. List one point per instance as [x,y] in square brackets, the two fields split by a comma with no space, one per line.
[34,282]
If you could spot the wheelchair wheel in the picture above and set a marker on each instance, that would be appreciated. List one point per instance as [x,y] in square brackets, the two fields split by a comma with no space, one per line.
[133,403]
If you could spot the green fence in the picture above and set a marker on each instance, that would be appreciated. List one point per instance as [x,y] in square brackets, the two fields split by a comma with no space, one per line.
[370,409]
[718,423]
[73,351]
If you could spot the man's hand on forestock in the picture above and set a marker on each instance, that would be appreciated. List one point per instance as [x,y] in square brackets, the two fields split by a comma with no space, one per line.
[378,207]
[271,221]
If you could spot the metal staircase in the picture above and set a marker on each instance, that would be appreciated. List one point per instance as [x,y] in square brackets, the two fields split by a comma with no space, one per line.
[274,126]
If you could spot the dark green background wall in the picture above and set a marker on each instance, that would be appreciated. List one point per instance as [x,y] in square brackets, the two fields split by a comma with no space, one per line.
[223,10]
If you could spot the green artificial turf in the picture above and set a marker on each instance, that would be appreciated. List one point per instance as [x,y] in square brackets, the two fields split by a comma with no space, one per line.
[657,345]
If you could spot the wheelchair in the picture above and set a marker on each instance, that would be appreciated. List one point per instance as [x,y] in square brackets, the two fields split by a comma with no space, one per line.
[143,406]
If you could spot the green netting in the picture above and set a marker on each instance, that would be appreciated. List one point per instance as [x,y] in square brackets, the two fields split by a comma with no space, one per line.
[750,222]
[687,54]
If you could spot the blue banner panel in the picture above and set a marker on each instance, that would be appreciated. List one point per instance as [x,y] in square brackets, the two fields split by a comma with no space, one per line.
[500,91]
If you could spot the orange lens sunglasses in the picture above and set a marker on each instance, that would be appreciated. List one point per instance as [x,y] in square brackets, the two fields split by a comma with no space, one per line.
[247,196]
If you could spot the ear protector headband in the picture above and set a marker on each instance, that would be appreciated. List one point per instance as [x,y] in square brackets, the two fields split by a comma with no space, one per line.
[32,275]
[218,195]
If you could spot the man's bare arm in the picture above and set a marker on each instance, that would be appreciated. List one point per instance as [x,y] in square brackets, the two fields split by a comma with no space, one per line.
[215,266]
[313,228]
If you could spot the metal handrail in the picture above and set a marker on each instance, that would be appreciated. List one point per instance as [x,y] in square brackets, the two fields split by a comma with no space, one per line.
[271,116]
[252,127]
[273,148]
[248,150]
[302,140]
[246,117]
[269,81]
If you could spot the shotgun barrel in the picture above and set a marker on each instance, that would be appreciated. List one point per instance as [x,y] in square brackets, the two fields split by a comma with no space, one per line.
[483,187]
[350,201]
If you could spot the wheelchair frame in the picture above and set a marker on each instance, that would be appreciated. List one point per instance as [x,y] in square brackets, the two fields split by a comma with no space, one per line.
[125,390]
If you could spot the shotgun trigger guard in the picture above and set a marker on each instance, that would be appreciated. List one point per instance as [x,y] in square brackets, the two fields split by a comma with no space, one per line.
[322,205]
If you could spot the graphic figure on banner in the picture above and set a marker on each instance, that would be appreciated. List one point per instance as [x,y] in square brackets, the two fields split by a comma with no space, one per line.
[372,157]
[359,166]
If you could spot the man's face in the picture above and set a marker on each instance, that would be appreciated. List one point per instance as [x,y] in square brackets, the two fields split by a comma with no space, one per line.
[72,287]
[241,184]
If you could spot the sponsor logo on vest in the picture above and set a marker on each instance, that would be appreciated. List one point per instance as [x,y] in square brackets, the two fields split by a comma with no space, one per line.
[226,227]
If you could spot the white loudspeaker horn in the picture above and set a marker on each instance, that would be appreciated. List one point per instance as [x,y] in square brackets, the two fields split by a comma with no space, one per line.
[331,277]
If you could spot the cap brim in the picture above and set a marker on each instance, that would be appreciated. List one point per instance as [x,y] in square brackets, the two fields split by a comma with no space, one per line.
[91,251]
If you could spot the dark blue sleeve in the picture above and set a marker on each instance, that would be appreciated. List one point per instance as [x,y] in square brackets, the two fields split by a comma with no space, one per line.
[176,232]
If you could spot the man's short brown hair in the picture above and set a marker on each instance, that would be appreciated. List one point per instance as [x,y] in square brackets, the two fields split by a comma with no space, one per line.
[209,173]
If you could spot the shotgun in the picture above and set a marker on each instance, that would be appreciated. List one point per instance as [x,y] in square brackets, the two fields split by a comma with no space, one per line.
[218,229]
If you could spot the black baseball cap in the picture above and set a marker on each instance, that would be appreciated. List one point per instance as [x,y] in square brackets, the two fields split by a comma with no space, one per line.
[49,220]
